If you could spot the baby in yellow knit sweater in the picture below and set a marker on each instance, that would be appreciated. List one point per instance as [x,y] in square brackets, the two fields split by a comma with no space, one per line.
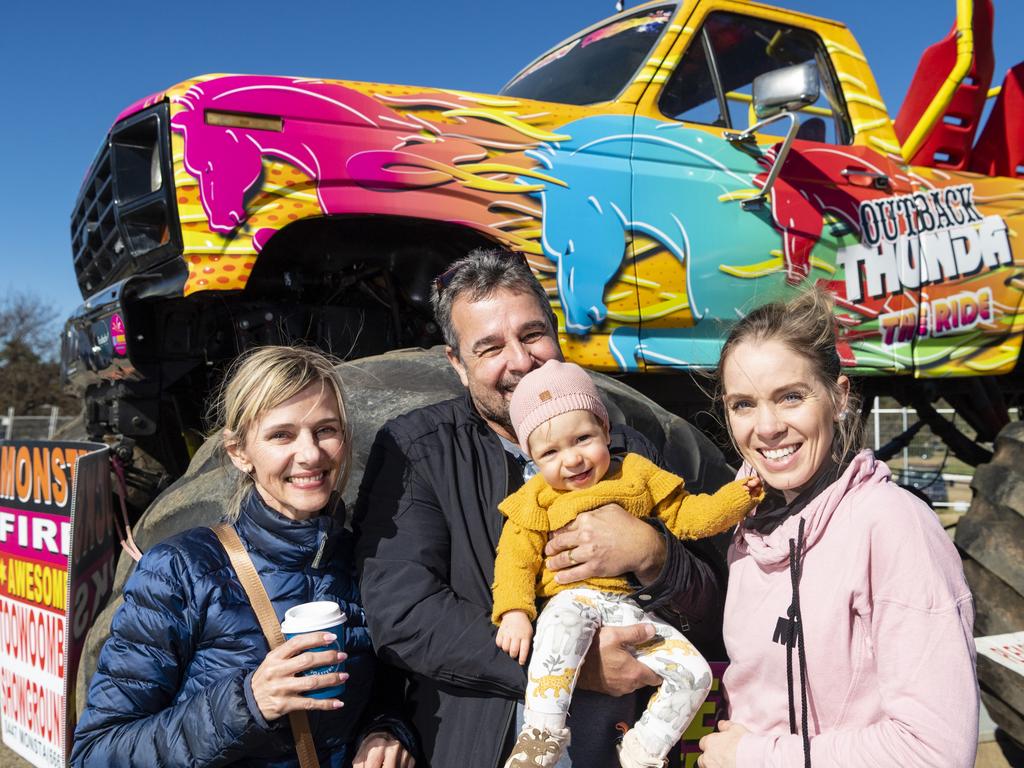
[562,424]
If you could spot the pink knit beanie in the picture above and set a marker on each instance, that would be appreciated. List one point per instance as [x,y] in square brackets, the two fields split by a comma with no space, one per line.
[553,389]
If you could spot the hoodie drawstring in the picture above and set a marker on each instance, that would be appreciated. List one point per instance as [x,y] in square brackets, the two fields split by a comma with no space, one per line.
[796,637]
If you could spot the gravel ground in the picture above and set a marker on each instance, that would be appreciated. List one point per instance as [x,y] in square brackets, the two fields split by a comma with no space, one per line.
[9,759]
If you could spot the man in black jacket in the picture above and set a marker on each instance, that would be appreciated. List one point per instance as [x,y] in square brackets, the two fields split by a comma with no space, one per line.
[428,524]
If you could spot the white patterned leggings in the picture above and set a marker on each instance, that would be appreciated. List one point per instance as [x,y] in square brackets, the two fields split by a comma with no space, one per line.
[565,629]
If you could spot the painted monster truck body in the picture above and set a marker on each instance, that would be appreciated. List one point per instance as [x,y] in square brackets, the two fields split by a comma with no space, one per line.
[231,210]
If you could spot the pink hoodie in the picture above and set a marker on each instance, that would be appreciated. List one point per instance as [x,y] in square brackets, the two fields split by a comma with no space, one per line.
[887,628]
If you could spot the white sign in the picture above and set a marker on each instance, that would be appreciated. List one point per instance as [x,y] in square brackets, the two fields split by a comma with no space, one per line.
[56,568]
[1007,650]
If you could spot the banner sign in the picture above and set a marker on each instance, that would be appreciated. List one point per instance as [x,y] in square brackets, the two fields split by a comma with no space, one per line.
[707,716]
[52,585]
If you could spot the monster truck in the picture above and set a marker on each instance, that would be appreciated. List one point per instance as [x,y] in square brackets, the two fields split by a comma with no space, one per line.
[663,171]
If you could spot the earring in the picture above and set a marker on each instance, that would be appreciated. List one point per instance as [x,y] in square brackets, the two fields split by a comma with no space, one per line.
[842,416]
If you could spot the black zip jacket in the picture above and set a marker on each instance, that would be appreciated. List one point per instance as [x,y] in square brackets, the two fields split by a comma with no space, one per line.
[427,526]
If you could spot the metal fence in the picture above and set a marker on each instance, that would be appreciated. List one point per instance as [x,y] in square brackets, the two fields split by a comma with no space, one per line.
[925,463]
[15,426]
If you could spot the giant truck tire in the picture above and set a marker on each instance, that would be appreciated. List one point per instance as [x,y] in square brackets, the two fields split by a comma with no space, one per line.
[991,533]
[377,389]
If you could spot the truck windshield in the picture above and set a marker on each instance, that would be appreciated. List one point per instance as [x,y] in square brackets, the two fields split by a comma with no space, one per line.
[595,66]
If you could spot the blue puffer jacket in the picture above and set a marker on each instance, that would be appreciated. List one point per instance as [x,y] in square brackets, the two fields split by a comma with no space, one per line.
[173,682]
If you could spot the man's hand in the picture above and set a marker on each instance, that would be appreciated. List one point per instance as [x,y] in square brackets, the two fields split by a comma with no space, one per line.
[720,748]
[605,542]
[514,635]
[610,667]
[382,750]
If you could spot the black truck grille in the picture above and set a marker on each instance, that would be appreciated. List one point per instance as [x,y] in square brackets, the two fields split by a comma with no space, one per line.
[95,241]
[126,218]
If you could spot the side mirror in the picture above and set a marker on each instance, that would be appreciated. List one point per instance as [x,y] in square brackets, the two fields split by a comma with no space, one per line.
[786,90]
[777,95]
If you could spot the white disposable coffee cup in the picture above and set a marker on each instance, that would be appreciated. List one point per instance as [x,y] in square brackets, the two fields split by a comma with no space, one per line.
[319,616]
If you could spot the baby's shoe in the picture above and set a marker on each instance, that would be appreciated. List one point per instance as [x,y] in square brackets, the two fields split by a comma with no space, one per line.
[538,747]
[633,755]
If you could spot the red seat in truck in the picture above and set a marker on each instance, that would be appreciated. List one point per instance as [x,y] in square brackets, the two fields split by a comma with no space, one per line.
[1000,149]
[949,143]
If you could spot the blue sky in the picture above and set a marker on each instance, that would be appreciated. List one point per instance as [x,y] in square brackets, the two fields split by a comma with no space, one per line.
[70,67]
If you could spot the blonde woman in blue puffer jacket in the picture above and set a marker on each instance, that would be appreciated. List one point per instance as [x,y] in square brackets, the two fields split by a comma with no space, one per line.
[186,678]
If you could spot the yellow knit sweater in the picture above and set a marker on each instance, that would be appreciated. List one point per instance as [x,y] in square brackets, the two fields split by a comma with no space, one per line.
[639,486]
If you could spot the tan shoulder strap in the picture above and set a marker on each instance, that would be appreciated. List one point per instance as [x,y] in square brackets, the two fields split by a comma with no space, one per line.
[264,611]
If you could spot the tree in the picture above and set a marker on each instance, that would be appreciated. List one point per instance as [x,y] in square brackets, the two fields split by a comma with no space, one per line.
[29,343]
[25,317]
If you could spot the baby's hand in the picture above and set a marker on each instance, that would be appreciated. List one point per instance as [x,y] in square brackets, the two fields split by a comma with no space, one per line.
[754,485]
[515,634]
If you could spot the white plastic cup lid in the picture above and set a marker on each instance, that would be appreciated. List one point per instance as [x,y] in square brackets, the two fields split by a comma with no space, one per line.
[310,617]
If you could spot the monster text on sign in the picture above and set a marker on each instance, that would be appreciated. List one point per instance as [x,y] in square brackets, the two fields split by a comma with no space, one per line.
[38,474]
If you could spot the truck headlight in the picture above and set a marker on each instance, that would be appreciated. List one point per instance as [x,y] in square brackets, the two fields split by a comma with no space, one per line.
[136,159]
[147,227]
[156,174]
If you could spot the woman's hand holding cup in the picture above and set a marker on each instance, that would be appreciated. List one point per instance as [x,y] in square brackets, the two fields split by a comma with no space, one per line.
[278,684]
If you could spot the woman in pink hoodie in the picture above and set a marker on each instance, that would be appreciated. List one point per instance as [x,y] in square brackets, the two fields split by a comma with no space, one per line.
[848,620]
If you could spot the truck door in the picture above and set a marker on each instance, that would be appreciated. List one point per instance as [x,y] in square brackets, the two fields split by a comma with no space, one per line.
[586,232]
[737,255]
